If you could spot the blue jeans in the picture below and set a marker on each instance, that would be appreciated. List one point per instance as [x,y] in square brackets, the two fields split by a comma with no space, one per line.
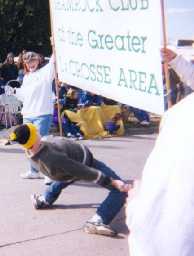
[43,124]
[108,209]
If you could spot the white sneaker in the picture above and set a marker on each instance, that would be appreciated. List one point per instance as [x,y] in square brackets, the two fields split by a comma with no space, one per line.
[70,135]
[99,229]
[146,123]
[79,136]
[30,175]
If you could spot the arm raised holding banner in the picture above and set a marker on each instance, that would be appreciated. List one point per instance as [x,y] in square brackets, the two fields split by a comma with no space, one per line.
[183,68]
[37,97]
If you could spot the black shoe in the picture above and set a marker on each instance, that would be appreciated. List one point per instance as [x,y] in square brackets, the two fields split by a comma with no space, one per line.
[99,229]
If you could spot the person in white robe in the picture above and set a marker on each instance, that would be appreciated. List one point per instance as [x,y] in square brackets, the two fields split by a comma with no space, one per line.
[160,215]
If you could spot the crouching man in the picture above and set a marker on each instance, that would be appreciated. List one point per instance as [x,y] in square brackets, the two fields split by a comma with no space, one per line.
[66,161]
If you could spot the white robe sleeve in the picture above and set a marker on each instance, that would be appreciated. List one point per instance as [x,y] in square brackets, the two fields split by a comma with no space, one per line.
[184,69]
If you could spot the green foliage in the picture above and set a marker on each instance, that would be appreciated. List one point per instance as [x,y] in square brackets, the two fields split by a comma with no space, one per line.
[25,24]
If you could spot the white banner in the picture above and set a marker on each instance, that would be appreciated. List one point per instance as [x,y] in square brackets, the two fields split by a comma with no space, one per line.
[111,48]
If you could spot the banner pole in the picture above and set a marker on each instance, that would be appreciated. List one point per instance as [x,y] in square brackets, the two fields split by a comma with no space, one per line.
[55,72]
[166,71]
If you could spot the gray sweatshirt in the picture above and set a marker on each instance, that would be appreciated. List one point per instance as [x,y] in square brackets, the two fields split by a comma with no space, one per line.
[65,160]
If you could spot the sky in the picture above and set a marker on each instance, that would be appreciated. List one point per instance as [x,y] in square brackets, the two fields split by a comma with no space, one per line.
[180,19]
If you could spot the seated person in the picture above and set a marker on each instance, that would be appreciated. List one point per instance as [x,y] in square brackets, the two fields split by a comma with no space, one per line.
[62,95]
[108,101]
[55,115]
[87,99]
[9,70]
[142,116]
[71,100]
[112,125]
[71,129]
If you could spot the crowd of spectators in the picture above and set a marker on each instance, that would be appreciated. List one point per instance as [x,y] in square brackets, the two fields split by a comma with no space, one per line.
[13,69]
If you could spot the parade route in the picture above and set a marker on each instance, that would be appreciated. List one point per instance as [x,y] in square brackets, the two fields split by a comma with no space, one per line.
[58,231]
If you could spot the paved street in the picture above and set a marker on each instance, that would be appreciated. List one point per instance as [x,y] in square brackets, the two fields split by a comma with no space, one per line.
[58,231]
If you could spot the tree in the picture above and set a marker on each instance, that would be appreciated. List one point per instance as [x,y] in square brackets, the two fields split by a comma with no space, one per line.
[25,24]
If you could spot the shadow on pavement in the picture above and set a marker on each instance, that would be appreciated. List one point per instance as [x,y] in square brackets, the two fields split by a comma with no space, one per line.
[12,150]
[119,223]
[74,206]
[139,137]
